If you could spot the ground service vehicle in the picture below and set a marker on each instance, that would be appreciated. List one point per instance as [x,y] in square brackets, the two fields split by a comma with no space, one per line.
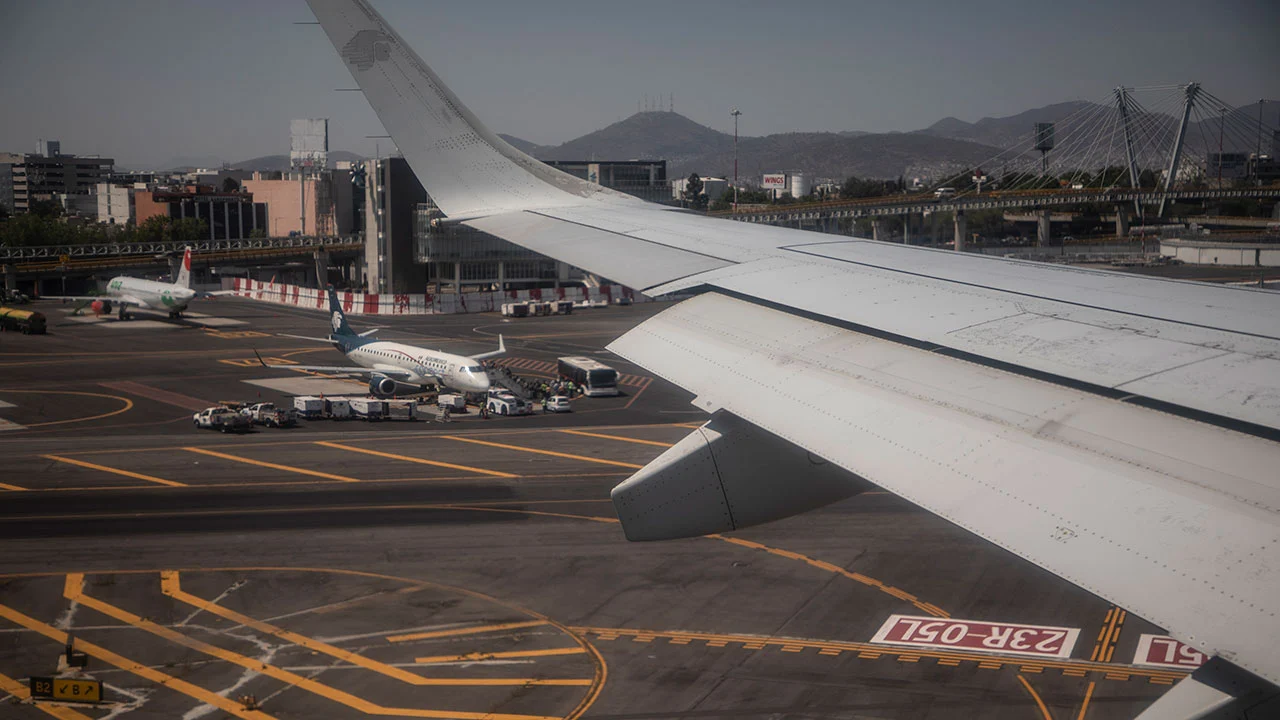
[309,406]
[596,378]
[28,322]
[510,405]
[268,414]
[366,408]
[455,403]
[221,418]
[558,404]
[944,192]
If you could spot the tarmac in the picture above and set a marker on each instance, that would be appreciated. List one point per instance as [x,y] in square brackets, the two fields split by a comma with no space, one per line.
[470,569]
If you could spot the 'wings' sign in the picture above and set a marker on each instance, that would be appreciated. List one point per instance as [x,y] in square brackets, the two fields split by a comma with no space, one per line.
[774,181]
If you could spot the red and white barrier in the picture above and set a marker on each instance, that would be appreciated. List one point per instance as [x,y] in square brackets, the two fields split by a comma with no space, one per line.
[356,303]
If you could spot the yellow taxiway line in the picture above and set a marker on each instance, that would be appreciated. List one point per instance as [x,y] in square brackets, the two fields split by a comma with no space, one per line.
[538,451]
[478,656]
[273,466]
[7,486]
[617,437]
[1035,696]
[171,585]
[115,471]
[22,692]
[74,591]
[408,458]
[474,630]
[194,691]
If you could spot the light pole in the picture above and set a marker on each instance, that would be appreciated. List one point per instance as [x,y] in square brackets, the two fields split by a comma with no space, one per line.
[735,113]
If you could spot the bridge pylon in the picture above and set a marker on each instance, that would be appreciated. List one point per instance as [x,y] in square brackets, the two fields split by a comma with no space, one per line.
[1131,157]
[1192,91]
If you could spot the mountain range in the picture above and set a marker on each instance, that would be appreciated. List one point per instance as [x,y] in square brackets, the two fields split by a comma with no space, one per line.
[945,147]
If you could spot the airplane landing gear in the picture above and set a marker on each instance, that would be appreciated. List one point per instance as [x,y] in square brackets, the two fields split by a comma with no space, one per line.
[175,315]
[122,314]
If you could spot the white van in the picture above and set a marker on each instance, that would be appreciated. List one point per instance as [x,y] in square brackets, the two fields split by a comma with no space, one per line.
[944,192]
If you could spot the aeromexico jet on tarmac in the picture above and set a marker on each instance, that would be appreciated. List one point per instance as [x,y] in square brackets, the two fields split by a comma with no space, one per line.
[395,368]
[127,292]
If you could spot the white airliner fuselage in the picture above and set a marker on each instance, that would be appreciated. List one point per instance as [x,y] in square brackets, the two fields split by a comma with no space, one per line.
[421,366]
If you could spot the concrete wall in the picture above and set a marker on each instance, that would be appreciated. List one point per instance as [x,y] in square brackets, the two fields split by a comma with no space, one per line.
[1223,253]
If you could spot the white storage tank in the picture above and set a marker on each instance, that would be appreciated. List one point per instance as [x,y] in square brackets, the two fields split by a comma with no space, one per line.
[799,185]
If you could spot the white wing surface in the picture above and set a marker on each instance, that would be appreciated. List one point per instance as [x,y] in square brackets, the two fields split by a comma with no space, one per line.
[1004,396]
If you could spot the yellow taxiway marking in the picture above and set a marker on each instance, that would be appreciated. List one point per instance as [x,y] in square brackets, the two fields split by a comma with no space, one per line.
[115,471]
[872,651]
[75,591]
[617,437]
[128,405]
[7,486]
[420,461]
[22,692]
[1035,696]
[225,704]
[538,451]
[1108,635]
[171,585]
[475,630]
[273,466]
[477,656]
[831,568]
[1088,695]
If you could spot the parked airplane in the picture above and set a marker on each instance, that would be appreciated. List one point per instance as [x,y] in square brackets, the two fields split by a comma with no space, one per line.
[395,368]
[125,292]
[1002,395]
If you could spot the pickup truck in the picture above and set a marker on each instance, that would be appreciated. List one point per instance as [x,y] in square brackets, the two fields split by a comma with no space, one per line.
[268,414]
[221,418]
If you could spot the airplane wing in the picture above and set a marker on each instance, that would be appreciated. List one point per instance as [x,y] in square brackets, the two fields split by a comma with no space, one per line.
[1121,432]
[114,300]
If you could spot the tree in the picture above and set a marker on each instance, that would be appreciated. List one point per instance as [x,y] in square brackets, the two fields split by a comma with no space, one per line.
[46,209]
[693,192]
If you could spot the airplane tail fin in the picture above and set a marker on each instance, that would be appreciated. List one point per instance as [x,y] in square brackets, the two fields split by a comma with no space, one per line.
[502,349]
[184,270]
[338,318]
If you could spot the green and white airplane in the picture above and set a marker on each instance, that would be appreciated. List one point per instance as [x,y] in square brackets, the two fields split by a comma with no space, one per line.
[125,292]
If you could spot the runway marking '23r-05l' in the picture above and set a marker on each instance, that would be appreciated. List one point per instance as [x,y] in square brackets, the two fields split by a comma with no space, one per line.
[1003,638]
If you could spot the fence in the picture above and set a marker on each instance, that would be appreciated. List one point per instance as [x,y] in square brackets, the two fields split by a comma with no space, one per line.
[357,303]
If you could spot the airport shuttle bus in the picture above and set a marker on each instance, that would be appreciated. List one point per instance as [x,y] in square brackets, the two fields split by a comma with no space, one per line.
[596,378]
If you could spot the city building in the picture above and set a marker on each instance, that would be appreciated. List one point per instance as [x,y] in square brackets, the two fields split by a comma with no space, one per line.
[458,257]
[113,204]
[391,199]
[317,203]
[46,173]
[6,183]
[228,215]
[646,179]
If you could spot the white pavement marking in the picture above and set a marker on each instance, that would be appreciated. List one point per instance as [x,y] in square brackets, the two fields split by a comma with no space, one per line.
[215,321]
[4,404]
[8,425]
[308,385]
[139,325]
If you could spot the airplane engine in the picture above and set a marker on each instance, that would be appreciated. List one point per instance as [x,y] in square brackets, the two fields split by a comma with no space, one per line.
[383,386]
[727,475]
[100,307]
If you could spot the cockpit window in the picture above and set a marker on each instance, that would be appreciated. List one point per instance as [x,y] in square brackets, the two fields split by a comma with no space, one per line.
[473,369]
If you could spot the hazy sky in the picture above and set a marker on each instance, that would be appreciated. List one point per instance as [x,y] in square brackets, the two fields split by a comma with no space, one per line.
[151,82]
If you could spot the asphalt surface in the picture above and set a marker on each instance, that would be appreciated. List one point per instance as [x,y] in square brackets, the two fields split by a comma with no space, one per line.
[467,569]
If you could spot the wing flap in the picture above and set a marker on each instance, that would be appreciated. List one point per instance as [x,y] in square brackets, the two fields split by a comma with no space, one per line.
[1190,508]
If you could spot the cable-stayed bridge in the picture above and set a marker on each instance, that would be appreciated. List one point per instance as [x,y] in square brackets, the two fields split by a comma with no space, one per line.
[1141,150]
